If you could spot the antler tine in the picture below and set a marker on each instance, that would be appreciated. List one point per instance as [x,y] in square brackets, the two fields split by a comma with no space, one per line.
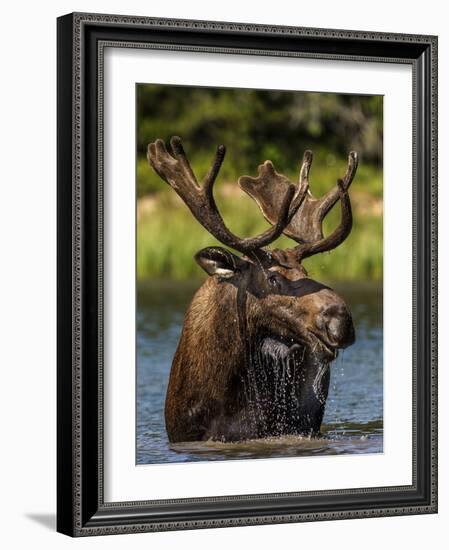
[305,167]
[303,186]
[177,172]
[209,180]
[179,153]
[337,236]
[332,196]
[353,162]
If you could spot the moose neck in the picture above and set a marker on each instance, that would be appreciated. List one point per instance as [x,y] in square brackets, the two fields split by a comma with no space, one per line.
[211,341]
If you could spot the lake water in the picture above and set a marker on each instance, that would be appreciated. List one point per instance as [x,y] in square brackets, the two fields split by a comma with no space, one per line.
[353,421]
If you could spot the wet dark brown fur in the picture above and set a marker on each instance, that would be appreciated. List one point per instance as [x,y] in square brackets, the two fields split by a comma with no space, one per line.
[206,396]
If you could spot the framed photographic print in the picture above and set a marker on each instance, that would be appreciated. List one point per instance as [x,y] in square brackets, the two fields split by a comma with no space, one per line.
[246,274]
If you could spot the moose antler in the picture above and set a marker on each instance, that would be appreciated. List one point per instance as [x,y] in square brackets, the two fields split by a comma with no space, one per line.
[175,169]
[306,225]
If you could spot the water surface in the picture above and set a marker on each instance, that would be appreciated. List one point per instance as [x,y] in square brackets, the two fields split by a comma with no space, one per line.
[353,421]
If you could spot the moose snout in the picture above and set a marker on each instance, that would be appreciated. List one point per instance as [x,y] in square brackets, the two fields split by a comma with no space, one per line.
[336,321]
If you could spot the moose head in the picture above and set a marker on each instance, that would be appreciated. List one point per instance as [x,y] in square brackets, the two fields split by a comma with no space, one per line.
[259,336]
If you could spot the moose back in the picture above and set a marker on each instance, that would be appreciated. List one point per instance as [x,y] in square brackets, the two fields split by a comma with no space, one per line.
[259,336]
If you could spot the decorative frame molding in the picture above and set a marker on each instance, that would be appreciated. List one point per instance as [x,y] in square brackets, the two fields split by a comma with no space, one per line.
[81,41]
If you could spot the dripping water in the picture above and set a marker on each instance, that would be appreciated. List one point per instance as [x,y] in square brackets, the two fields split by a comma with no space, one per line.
[339,372]
[318,382]
[276,388]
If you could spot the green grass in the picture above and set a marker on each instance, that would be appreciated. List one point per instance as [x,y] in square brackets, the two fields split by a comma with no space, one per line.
[168,236]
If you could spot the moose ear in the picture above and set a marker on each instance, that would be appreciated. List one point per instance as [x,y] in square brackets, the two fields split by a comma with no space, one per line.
[219,261]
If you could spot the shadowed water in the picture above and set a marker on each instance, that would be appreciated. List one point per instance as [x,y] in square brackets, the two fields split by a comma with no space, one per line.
[353,420]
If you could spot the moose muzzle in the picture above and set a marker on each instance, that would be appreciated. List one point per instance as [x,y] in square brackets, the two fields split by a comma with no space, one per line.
[336,322]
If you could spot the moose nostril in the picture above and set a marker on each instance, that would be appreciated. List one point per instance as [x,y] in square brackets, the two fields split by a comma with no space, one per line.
[337,321]
[333,311]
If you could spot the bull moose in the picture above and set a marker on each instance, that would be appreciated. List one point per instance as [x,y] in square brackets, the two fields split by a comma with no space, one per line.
[253,360]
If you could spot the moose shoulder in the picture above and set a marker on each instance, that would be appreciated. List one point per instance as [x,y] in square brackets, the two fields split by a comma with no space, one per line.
[259,335]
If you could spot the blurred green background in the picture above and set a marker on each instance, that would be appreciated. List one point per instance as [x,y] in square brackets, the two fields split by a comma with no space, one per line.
[256,125]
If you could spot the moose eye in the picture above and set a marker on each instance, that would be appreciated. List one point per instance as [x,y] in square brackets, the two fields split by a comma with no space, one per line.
[273,281]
